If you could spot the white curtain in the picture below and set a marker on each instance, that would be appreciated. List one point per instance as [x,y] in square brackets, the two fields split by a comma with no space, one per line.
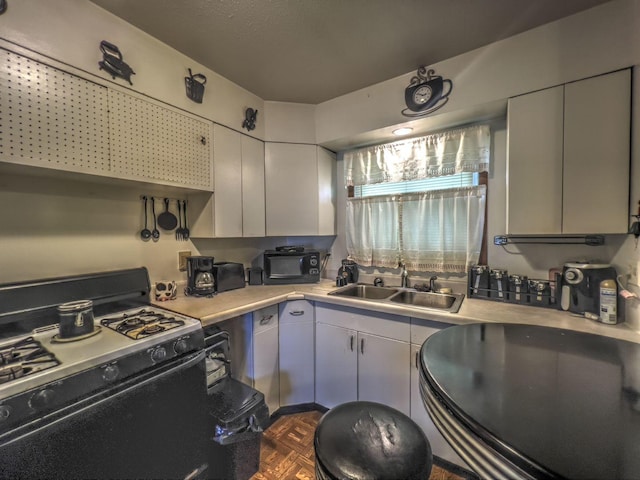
[373,230]
[433,231]
[454,151]
[436,231]
[441,230]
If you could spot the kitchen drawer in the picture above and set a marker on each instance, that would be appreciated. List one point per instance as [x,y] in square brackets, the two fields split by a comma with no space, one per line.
[265,318]
[296,311]
[423,329]
[368,321]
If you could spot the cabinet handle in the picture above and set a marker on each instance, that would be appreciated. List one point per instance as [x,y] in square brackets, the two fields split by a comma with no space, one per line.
[362,346]
[265,320]
[351,342]
[417,367]
[297,313]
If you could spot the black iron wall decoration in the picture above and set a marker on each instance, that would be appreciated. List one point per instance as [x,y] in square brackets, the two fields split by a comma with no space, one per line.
[195,86]
[112,62]
[425,94]
[250,119]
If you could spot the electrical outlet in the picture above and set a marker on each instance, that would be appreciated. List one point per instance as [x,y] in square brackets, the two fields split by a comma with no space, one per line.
[182,260]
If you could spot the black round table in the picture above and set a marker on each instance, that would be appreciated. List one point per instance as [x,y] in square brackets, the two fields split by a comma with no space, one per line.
[522,401]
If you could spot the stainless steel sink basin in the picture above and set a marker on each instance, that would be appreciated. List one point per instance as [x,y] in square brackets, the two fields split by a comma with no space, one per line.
[441,301]
[444,302]
[361,290]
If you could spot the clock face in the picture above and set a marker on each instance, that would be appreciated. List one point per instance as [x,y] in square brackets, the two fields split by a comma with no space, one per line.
[422,94]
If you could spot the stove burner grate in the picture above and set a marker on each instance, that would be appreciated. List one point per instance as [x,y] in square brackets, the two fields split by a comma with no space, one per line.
[24,357]
[141,324]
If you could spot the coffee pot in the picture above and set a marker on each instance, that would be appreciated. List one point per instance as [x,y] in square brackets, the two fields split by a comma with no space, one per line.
[200,276]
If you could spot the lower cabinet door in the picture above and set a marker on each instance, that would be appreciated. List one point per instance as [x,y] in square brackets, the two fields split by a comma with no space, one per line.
[439,446]
[336,365]
[296,363]
[383,376]
[265,366]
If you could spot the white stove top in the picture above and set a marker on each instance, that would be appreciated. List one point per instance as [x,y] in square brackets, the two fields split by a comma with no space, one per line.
[106,346]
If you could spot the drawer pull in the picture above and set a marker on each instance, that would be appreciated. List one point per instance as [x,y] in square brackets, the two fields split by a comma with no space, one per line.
[297,313]
[265,320]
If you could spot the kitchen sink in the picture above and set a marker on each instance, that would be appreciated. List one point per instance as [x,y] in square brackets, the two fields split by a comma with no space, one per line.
[447,302]
[441,301]
[362,290]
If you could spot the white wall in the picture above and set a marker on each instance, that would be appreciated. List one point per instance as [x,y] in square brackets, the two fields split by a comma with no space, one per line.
[70,31]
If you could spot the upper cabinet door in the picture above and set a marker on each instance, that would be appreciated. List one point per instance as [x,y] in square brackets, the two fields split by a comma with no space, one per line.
[253,207]
[597,131]
[534,163]
[227,164]
[299,190]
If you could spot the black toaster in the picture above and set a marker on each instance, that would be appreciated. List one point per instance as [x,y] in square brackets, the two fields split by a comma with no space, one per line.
[228,276]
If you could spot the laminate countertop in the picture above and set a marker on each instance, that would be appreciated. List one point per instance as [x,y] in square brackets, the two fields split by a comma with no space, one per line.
[233,303]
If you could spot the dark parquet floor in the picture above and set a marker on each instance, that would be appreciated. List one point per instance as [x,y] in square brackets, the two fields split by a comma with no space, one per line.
[286,451]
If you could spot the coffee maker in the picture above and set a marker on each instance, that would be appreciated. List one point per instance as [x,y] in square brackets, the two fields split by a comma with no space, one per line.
[200,277]
[581,286]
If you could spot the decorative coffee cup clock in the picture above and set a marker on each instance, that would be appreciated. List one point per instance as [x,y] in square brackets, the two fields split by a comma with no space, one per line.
[426,94]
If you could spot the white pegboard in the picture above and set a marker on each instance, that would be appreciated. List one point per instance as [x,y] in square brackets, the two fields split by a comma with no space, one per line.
[149,141]
[50,118]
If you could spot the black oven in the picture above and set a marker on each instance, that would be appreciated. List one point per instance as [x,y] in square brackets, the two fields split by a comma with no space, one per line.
[127,399]
[150,426]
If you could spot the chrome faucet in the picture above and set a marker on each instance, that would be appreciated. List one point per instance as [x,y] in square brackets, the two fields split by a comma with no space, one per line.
[404,283]
[432,283]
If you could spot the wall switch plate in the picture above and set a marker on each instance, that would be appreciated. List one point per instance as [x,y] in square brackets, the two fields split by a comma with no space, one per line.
[182,260]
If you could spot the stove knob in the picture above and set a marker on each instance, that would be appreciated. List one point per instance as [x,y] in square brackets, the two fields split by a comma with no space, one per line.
[110,373]
[42,399]
[5,411]
[158,354]
[181,346]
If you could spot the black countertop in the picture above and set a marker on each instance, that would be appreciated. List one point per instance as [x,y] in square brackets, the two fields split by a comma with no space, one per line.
[557,402]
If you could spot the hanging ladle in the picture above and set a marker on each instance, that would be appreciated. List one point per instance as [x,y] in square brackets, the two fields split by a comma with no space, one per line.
[155,233]
[145,234]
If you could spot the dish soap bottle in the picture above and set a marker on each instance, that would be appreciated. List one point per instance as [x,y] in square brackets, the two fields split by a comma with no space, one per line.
[608,301]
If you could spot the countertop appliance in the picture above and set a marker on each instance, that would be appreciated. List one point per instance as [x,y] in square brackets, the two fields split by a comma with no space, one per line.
[228,276]
[580,290]
[563,404]
[291,265]
[112,404]
[200,280]
[348,271]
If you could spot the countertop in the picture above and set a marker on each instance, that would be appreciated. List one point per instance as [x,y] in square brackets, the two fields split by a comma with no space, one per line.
[237,302]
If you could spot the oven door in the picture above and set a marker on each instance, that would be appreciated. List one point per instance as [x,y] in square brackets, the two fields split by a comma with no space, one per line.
[150,426]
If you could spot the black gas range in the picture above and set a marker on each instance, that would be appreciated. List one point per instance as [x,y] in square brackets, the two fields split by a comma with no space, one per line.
[137,381]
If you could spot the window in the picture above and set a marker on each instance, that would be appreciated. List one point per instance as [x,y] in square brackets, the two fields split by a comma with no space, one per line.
[419,202]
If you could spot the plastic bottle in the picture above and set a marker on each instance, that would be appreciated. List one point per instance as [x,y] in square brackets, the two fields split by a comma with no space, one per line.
[608,301]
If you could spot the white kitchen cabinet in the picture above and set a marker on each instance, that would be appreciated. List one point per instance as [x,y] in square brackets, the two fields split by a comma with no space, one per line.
[299,190]
[253,200]
[266,378]
[336,365]
[361,355]
[237,206]
[296,352]
[420,331]
[568,158]
[254,352]
[383,376]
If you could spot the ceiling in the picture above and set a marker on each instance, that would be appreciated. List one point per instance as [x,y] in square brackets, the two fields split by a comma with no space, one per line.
[309,51]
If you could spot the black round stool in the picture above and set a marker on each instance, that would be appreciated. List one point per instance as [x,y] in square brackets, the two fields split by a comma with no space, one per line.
[370,441]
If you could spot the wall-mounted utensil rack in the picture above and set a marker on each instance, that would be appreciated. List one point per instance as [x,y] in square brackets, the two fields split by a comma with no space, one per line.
[591,240]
